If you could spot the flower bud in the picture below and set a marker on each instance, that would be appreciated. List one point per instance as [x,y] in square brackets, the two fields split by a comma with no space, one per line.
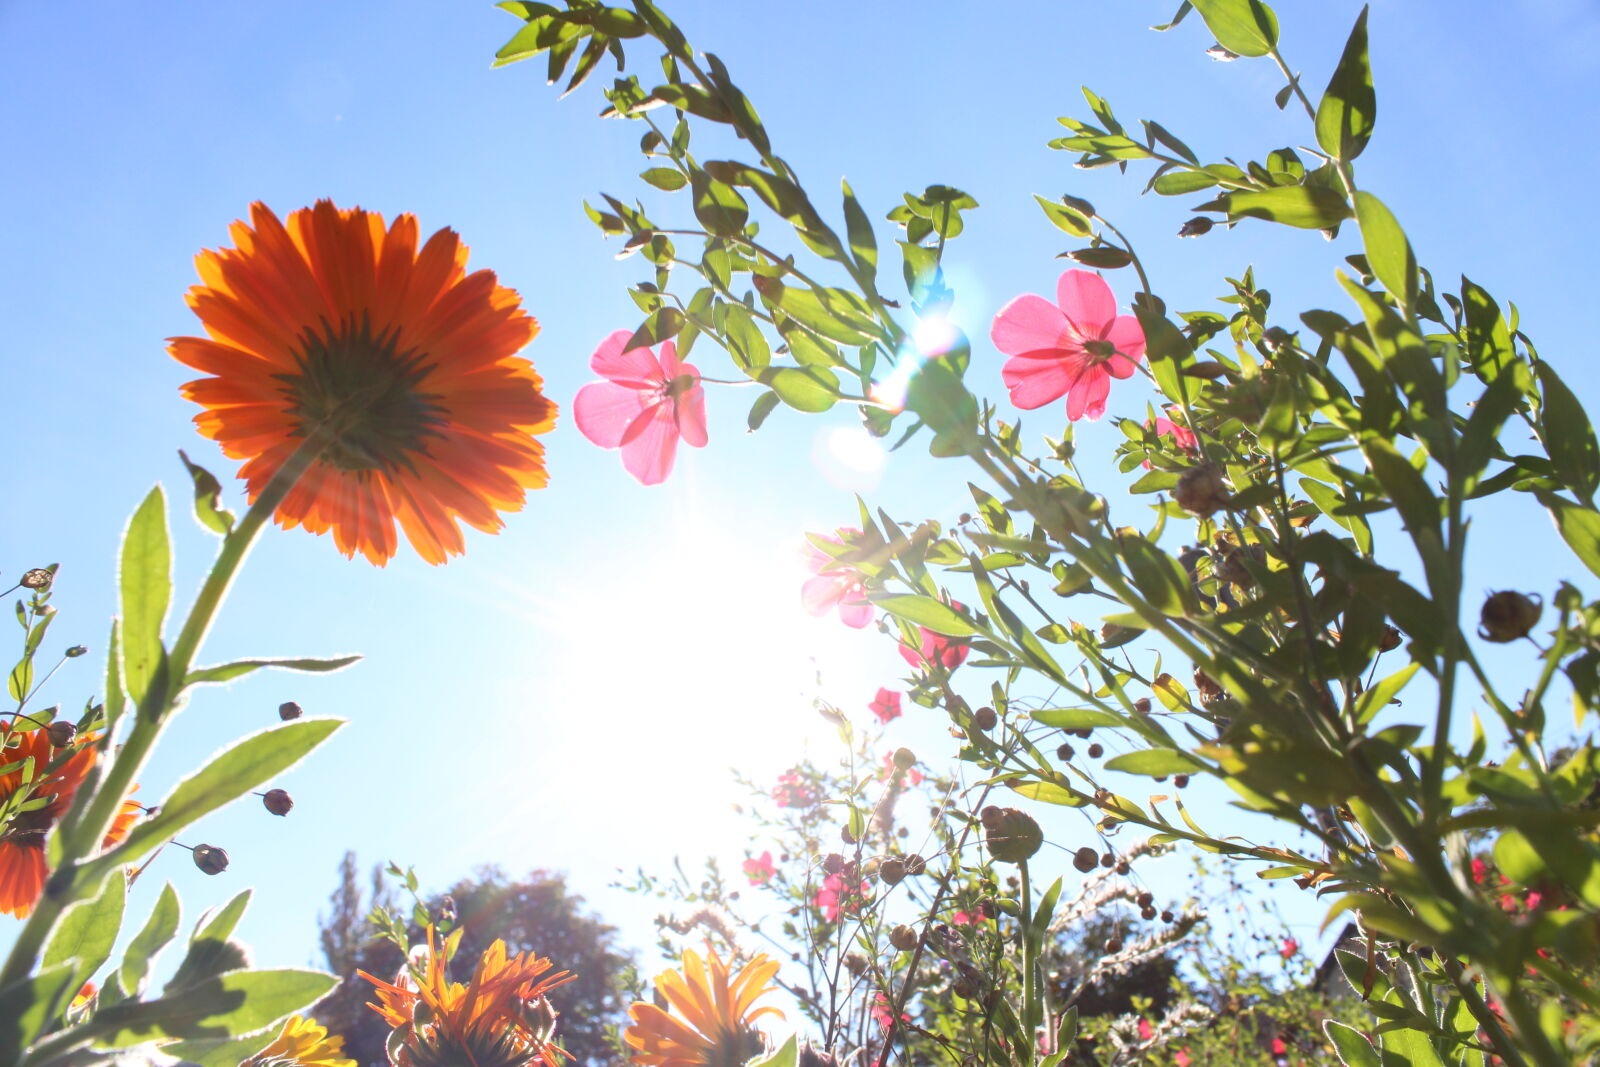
[277,801]
[37,579]
[1085,859]
[210,859]
[915,865]
[904,758]
[892,871]
[1507,616]
[289,710]
[1201,490]
[1198,226]
[77,650]
[1390,639]
[903,938]
[61,732]
[985,719]
[1013,836]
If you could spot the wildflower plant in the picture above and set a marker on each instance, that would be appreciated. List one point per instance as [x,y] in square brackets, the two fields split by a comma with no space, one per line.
[1250,615]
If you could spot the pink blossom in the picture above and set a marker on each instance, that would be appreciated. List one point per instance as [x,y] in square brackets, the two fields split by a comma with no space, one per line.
[793,791]
[1181,436]
[1480,870]
[1071,348]
[936,649]
[913,776]
[645,405]
[1279,1048]
[1182,1058]
[835,585]
[962,918]
[840,896]
[1146,1031]
[1290,947]
[760,870]
[886,705]
[882,1011]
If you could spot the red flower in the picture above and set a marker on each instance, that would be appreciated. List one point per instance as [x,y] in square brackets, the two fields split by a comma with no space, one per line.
[1181,436]
[1146,1031]
[881,1011]
[793,791]
[1071,348]
[840,896]
[936,649]
[1279,1048]
[1182,1058]
[886,706]
[835,585]
[1290,947]
[1480,871]
[759,871]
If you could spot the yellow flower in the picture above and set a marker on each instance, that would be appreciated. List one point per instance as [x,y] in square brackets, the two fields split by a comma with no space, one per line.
[303,1043]
[500,1019]
[710,1022]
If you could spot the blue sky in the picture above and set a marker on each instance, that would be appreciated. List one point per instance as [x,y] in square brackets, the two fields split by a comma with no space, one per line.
[569,694]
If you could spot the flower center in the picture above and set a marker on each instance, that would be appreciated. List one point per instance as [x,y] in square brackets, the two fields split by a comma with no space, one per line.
[678,386]
[1099,350]
[366,393]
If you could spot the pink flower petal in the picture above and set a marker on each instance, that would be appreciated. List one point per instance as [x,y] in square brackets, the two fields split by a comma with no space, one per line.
[692,411]
[636,366]
[1028,324]
[1088,395]
[1127,335]
[819,595]
[603,411]
[649,455]
[1086,299]
[1120,367]
[855,616]
[1036,382]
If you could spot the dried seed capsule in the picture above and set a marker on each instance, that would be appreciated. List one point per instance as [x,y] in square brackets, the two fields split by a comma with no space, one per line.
[37,579]
[915,865]
[1012,836]
[1508,615]
[1065,752]
[904,758]
[1201,490]
[1142,705]
[1180,780]
[903,938]
[985,719]
[892,871]
[833,863]
[1168,917]
[77,650]
[1113,946]
[1085,859]
[1210,691]
[1147,914]
[1390,639]
[1109,860]
[1196,227]
[1144,899]
[277,801]
[210,859]
[1096,751]
[1122,867]
[61,732]
[846,836]
[289,710]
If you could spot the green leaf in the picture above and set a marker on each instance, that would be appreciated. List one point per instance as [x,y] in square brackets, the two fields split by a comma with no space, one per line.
[1409,1048]
[1247,27]
[115,696]
[1488,336]
[1160,579]
[669,179]
[749,346]
[1567,434]
[1349,107]
[1309,207]
[1388,251]
[1075,718]
[228,671]
[1579,527]
[88,929]
[1376,698]
[811,389]
[219,1052]
[765,404]
[1155,762]
[158,929]
[863,242]
[1180,182]
[145,581]
[1354,1049]
[927,612]
[250,762]
[718,206]
[30,1005]
[786,1055]
[827,312]
[233,1003]
[208,498]
[1048,793]
[1066,218]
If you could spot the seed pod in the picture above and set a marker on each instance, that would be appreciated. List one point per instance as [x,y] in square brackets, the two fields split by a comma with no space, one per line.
[277,801]
[1096,751]
[1142,705]
[210,858]
[904,758]
[903,938]
[1012,836]
[1209,369]
[1390,639]
[61,732]
[915,865]
[1168,917]
[1085,859]
[77,650]
[1122,867]
[1113,946]
[289,710]
[1507,616]
[1147,914]
[846,836]
[1144,899]
[1109,860]
[985,719]
[1065,752]
[1180,780]
[37,579]
[1210,691]
[833,863]
[1198,226]
[1201,491]
[892,871]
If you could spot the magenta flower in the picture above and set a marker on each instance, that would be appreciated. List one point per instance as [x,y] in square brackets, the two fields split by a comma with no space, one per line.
[1290,947]
[936,649]
[835,585]
[840,896]
[882,1011]
[886,706]
[645,405]
[759,871]
[793,791]
[1071,348]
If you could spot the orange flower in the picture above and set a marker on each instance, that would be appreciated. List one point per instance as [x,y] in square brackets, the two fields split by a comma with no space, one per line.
[22,828]
[716,1026]
[400,366]
[302,1043]
[499,1019]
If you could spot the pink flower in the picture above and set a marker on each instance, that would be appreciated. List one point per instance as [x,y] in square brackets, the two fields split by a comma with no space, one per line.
[882,1013]
[961,918]
[760,870]
[840,896]
[1279,1048]
[793,791]
[1181,436]
[1146,1031]
[835,585]
[913,776]
[1480,871]
[936,649]
[1071,348]
[1290,947]
[886,706]
[643,407]
[1182,1058]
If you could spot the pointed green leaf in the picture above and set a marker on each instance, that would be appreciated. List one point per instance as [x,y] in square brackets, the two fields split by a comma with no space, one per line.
[1066,218]
[1354,1050]
[927,612]
[226,672]
[1349,107]
[1388,251]
[158,929]
[208,498]
[88,929]
[1568,434]
[1155,762]
[810,389]
[1579,527]
[863,243]
[233,1003]
[145,581]
[1308,207]
[1247,27]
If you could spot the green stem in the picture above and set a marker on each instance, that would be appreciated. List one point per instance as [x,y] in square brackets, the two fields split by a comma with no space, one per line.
[1030,962]
[67,883]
